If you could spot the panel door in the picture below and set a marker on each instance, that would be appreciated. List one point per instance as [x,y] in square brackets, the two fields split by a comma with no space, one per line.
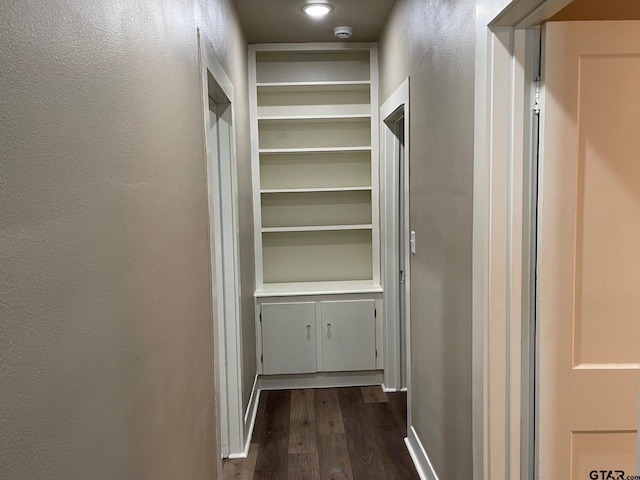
[289,338]
[348,335]
[589,255]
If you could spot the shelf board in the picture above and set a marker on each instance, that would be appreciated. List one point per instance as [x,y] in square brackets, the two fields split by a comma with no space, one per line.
[286,120]
[313,84]
[317,228]
[314,190]
[317,288]
[314,150]
[310,118]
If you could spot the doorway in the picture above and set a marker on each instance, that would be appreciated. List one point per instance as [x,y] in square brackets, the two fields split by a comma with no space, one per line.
[394,137]
[504,245]
[223,236]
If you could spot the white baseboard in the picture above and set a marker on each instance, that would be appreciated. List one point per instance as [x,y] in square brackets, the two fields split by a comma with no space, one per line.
[419,456]
[320,380]
[252,408]
[238,455]
[249,420]
[387,389]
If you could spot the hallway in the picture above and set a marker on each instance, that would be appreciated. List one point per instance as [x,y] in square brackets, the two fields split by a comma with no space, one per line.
[126,346]
[329,434]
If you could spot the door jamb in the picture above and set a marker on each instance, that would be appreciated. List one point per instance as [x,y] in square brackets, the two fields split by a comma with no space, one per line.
[501,243]
[215,83]
[389,178]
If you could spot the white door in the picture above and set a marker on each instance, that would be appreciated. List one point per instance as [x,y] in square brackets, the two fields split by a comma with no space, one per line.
[348,335]
[589,251]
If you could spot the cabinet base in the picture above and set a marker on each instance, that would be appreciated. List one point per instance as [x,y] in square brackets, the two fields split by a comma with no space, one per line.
[320,380]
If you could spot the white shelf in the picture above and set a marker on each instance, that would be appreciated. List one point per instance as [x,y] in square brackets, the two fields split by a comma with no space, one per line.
[314,150]
[313,66]
[317,228]
[312,84]
[315,170]
[314,190]
[320,256]
[312,118]
[322,119]
[317,288]
[315,132]
[352,100]
[345,207]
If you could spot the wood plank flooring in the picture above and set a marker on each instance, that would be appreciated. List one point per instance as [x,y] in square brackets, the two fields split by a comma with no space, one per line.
[354,433]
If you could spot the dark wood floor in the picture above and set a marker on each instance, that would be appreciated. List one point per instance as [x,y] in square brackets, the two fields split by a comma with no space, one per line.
[354,433]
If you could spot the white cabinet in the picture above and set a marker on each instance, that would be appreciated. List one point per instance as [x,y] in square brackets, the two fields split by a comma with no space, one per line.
[290,343]
[288,338]
[348,335]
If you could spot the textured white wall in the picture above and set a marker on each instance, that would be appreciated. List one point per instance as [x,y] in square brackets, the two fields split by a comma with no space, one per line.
[433,43]
[487,10]
[105,322]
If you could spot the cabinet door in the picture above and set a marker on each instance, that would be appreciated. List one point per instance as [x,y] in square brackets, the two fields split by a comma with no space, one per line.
[348,335]
[289,338]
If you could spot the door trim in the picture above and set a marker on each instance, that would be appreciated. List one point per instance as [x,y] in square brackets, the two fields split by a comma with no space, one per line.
[502,266]
[226,325]
[389,178]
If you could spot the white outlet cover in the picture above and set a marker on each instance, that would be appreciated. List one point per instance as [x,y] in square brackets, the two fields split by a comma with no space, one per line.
[412,242]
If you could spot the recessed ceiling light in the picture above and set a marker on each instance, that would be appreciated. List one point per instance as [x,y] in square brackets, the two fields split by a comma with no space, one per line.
[317,9]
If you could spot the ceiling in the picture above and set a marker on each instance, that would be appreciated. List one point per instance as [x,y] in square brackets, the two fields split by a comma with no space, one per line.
[599,10]
[282,21]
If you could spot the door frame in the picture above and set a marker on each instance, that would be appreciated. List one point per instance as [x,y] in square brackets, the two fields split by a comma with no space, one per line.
[504,238]
[389,179]
[224,251]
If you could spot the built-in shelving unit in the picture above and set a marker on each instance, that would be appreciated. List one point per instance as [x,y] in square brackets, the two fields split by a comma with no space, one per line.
[316,185]
[315,182]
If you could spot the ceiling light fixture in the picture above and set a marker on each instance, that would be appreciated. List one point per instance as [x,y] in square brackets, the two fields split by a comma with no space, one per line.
[317,10]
